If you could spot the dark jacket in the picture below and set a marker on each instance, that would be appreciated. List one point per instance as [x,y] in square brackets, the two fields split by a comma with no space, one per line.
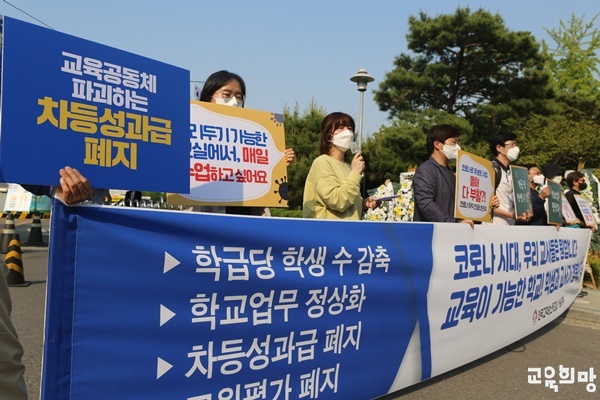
[434,186]
[539,216]
[39,190]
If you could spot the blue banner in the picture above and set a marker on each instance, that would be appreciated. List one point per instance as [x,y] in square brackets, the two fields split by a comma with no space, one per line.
[147,304]
[154,304]
[119,118]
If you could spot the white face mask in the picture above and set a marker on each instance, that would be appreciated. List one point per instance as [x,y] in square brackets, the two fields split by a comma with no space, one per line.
[539,179]
[557,179]
[233,101]
[343,140]
[512,154]
[451,152]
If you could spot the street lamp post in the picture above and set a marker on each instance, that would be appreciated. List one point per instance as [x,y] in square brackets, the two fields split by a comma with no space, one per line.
[362,78]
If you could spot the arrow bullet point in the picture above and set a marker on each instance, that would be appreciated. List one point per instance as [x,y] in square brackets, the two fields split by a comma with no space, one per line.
[162,367]
[170,263]
[165,315]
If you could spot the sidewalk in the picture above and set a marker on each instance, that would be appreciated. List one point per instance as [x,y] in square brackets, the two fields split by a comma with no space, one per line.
[586,309]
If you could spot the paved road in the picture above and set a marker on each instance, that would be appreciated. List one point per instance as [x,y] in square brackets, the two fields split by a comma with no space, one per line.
[503,374]
[572,342]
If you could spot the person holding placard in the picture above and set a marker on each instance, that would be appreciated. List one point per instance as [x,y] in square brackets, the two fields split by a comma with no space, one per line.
[539,193]
[552,172]
[332,188]
[503,146]
[227,88]
[434,184]
[576,183]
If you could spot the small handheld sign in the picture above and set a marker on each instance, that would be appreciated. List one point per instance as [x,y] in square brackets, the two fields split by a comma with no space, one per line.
[474,187]
[521,190]
[586,210]
[555,215]
[567,212]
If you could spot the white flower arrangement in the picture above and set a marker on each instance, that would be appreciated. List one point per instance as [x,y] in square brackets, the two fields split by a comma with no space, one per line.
[588,194]
[400,208]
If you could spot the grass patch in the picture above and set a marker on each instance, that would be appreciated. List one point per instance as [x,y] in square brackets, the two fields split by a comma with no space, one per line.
[286,212]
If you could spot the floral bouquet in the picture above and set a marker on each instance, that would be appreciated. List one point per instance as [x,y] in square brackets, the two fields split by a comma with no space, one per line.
[399,208]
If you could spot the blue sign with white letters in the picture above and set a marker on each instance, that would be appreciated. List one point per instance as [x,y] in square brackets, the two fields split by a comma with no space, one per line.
[155,304]
[121,119]
[199,306]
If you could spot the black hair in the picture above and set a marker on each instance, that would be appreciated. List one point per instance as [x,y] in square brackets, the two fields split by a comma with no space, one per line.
[551,170]
[440,133]
[573,177]
[500,138]
[216,81]
[330,123]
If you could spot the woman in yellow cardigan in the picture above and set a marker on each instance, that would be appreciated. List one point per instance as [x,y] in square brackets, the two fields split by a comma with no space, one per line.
[332,188]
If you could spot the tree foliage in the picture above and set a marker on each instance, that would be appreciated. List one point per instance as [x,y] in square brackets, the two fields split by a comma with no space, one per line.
[468,64]
[302,133]
[558,140]
[467,69]
[574,60]
[401,147]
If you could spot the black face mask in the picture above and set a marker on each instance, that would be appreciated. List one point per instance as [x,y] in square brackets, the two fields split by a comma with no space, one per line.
[582,186]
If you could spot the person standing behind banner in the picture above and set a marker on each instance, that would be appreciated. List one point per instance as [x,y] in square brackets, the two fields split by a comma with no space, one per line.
[434,184]
[552,172]
[74,188]
[503,146]
[538,199]
[332,188]
[226,88]
[576,183]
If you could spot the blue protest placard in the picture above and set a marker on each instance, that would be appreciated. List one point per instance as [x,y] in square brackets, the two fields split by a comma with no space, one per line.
[121,119]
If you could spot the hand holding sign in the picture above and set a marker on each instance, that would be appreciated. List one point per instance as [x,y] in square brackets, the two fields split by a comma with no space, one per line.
[74,187]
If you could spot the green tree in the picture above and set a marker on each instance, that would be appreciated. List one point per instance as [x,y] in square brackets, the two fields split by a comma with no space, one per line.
[470,65]
[401,147]
[568,134]
[302,133]
[573,61]
[559,140]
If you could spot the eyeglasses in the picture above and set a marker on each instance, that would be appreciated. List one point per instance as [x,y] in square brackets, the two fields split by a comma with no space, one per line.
[228,94]
[510,144]
[451,142]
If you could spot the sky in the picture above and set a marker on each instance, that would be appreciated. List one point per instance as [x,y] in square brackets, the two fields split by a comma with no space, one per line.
[289,53]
